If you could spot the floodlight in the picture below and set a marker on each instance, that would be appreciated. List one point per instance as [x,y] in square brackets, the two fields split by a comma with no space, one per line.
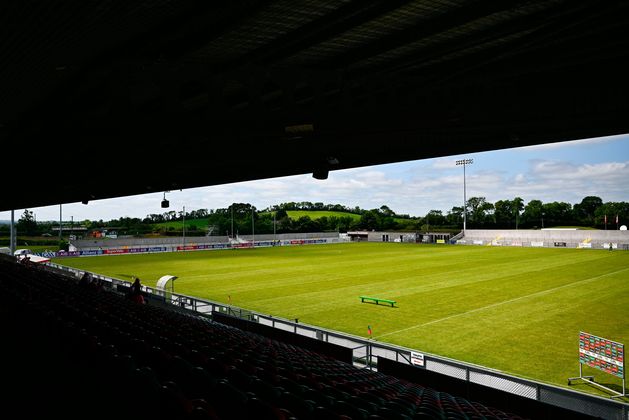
[458,163]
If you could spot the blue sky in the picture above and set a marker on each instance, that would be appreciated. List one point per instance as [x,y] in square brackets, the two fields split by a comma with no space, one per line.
[565,171]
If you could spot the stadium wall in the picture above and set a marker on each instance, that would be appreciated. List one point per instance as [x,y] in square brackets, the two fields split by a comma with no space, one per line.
[120,246]
[556,238]
[170,241]
[289,236]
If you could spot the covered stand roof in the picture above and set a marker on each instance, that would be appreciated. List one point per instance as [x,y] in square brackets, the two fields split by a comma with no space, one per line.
[195,93]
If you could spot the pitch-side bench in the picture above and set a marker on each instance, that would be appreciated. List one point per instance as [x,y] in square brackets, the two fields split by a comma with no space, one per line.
[377,300]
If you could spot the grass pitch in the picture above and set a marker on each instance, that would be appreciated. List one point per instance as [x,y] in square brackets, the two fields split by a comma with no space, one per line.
[518,310]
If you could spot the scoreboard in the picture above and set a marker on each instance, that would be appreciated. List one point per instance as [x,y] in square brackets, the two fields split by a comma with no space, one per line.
[601,353]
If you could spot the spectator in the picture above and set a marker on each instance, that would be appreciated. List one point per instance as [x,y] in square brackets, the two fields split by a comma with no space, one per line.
[136,287]
[135,293]
[85,279]
[96,284]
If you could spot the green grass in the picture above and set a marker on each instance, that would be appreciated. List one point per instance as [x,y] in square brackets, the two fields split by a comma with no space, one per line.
[518,310]
[317,214]
[314,215]
[38,248]
[178,224]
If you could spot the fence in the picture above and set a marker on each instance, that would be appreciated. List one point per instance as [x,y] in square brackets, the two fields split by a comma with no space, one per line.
[366,353]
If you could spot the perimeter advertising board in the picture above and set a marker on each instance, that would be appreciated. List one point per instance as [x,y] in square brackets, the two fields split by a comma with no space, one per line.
[602,354]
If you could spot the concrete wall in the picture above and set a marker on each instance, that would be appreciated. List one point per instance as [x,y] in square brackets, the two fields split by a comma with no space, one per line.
[287,236]
[106,243]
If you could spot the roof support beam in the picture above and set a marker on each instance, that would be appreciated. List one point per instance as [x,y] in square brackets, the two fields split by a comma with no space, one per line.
[422,30]
[345,18]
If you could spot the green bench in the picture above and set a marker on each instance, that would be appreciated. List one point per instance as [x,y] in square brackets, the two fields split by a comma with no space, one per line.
[377,300]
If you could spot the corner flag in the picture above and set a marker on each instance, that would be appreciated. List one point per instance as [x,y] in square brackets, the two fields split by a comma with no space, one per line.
[369,330]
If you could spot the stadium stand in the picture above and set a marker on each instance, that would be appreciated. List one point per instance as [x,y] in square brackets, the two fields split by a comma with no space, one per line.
[549,238]
[90,353]
[300,87]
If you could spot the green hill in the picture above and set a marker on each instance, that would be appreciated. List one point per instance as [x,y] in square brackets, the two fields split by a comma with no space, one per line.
[177,224]
[317,214]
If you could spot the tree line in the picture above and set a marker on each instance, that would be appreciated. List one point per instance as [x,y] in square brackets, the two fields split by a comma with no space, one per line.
[514,214]
[245,219]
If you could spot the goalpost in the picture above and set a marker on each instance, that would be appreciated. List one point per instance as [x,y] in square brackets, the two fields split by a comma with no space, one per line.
[603,354]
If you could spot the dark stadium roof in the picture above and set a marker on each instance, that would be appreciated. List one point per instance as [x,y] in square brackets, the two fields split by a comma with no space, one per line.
[194,93]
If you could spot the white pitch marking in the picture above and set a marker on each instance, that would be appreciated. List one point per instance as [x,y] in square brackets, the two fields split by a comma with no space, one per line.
[493,305]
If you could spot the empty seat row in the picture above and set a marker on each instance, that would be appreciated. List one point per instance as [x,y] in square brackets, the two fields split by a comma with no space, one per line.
[154,362]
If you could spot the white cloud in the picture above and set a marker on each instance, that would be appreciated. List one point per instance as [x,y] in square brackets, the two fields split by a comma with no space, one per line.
[583,142]
[409,187]
[566,181]
[548,168]
[444,163]
[615,171]
[428,188]
[566,171]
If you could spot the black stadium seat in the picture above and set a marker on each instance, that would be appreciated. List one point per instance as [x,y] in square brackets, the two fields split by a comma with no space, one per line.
[121,358]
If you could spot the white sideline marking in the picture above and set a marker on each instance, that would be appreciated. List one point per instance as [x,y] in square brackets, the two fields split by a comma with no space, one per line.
[493,305]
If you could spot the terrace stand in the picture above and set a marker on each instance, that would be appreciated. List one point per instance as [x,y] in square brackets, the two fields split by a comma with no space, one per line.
[602,354]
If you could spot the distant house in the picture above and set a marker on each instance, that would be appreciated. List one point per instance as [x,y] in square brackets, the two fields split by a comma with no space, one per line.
[104,233]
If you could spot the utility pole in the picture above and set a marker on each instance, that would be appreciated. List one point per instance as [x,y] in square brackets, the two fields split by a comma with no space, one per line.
[60,220]
[12,240]
[184,228]
[253,230]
